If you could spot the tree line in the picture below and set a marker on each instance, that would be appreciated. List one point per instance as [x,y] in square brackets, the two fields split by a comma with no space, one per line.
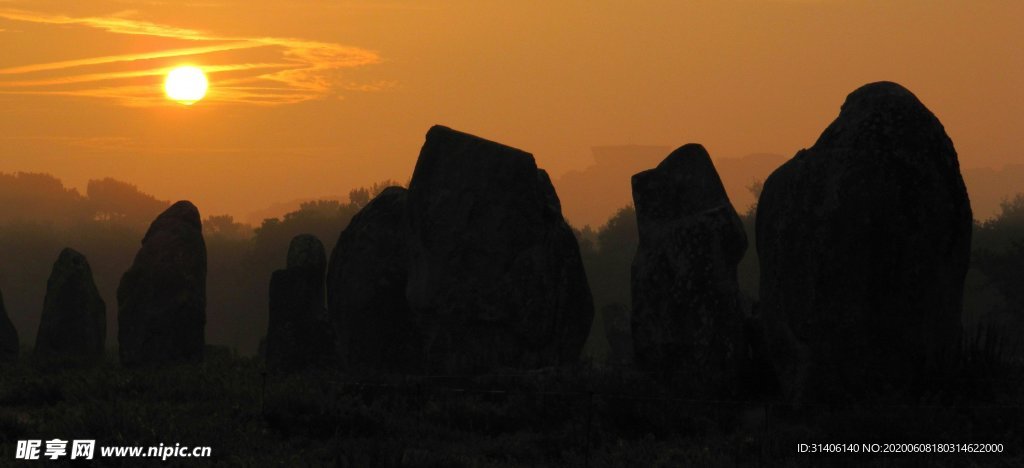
[39,216]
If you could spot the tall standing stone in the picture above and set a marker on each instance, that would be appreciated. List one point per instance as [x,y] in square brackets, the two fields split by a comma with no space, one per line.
[495,272]
[366,290]
[471,269]
[73,324]
[8,335]
[306,250]
[687,314]
[162,297]
[298,331]
[864,242]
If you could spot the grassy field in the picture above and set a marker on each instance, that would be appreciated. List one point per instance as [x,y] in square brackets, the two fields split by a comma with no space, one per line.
[564,418]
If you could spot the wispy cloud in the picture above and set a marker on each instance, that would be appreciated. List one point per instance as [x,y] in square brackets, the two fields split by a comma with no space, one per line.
[114,23]
[299,70]
[129,57]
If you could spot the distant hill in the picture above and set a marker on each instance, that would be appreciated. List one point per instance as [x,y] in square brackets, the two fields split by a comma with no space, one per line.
[591,195]
[43,199]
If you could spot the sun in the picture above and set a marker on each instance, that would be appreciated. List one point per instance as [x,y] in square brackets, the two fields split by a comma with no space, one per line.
[186,85]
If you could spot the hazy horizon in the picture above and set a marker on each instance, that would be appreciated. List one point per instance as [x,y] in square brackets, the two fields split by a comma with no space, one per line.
[592,194]
[330,96]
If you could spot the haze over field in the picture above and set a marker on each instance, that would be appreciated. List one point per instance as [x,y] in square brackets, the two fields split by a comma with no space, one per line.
[310,99]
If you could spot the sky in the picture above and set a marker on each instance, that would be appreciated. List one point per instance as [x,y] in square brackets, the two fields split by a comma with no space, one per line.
[313,98]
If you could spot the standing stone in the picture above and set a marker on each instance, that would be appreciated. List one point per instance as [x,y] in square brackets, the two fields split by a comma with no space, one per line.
[366,290]
[472,269]
[864,241]
[74,323]
[306,250]
[162,297]
[687,316]
[495,272]
[298,331]
[8,335]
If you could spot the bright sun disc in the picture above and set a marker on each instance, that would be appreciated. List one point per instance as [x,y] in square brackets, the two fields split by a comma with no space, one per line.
[186,85]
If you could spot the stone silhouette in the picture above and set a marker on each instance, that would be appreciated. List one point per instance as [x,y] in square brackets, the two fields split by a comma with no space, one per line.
[757,379]
[495,272]
[305,250]
[864,241]
[74,323]
[8,335]
[298,331]
[473,266]
[162,297]
[366,289]
[687,315]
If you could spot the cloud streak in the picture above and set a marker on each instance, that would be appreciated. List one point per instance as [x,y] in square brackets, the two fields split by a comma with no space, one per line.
[299,69]
[129,57]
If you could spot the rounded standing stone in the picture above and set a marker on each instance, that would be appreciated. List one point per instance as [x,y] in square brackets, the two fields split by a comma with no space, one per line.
[73,323]
[864,242]
[162,297]
[298,330]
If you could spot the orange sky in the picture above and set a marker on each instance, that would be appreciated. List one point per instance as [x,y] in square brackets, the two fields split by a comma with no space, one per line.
[312,98]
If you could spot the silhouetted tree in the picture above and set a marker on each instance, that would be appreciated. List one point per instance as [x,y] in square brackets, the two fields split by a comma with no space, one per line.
[607,255]
[35,197]
[999,255]
[587,240]
[748,271]
[1003,231]
[362,195]
[115,201]
[226,227]
[39,216]
[617,243]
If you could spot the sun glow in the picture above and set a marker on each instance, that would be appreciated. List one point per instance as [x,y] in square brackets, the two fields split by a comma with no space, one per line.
[186,85]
